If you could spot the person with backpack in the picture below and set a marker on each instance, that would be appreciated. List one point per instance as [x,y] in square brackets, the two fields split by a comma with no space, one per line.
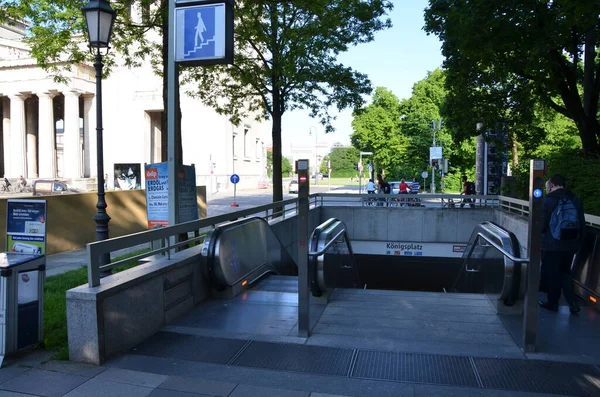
[563,229]
[468,189]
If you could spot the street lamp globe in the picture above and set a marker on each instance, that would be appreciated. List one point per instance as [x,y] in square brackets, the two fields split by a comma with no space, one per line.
[99,18]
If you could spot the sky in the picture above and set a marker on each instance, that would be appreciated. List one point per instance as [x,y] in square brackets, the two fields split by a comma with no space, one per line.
[397,58]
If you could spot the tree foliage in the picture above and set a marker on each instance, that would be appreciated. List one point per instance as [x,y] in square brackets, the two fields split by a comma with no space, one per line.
[505,57]
[343,161]
[286,166]
[286,58]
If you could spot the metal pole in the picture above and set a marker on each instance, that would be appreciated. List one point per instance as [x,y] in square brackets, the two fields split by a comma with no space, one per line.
[101,218]
[536,207]
[360,174]
[316,157]
[172,120]
[303,276]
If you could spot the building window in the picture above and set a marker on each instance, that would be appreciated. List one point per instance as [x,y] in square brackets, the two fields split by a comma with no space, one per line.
[257,149]
[246,148]
[233,146]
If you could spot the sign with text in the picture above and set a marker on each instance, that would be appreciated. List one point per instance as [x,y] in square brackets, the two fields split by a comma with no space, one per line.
[407,248]
[26,226]
[157,194]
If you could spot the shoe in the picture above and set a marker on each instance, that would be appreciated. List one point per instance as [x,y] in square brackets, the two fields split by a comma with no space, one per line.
[548,306]
[574,308]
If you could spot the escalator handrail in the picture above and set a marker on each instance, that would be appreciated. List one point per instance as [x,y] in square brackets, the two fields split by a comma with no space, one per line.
[313,255]
[484,231]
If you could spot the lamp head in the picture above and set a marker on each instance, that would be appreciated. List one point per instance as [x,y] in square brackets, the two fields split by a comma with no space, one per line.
[99,18]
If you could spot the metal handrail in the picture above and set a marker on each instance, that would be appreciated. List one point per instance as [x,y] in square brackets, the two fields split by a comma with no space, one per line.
[489,228]
[329,244]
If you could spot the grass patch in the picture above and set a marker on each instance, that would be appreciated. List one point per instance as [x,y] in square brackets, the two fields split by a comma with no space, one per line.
[55,304]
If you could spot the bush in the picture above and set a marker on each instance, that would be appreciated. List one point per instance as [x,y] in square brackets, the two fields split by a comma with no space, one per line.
[581,174]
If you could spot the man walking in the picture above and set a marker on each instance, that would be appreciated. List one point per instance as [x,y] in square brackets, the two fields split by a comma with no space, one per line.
[563,230]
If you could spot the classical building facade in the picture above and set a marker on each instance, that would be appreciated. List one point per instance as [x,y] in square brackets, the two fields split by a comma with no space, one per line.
[48,129]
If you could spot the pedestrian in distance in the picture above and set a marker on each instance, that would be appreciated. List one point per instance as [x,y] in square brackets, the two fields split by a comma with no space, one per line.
[563,229]
[467,189]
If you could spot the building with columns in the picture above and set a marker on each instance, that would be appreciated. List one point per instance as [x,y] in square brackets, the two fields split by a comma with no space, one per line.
[48,129]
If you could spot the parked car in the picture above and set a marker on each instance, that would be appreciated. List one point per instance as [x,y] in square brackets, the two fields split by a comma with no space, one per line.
[293,186]
[44,187]
[395,187]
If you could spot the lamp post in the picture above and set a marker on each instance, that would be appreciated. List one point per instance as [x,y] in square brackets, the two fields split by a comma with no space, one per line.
[316,152]
[99,18]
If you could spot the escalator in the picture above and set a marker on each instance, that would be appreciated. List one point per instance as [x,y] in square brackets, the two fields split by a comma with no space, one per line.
[247,254]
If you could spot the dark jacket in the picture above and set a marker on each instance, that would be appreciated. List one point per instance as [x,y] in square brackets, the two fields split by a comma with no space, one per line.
[549,243]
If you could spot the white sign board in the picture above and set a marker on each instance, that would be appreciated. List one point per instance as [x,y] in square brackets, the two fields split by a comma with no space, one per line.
[407,248]
[435,152]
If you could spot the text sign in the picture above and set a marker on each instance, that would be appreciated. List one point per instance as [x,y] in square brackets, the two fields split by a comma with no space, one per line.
[202,34]
[435,152]
[157,194]
[26,226]
[235,178]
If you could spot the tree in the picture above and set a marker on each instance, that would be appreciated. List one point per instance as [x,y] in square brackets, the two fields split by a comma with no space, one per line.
[286,166]
[376,130]
[502,57]
[286,58]
[343,160]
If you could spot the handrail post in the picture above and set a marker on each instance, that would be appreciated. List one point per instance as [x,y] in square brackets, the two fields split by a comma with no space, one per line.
[536,202]
[93,270]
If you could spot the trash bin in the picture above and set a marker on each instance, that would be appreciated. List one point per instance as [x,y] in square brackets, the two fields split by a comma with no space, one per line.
[22,279]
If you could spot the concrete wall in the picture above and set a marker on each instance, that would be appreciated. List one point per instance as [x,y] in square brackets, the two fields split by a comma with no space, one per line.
[129,307]
[412,225]
[287,230]
[71,217]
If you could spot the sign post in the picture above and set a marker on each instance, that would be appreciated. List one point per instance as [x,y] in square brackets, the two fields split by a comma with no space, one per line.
[424,175]
[235,178]
[303,279]
[536,208]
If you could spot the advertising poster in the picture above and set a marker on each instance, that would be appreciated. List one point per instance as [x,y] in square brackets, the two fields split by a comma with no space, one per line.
[188,206]
[128,176]
[26,226]
[157,194]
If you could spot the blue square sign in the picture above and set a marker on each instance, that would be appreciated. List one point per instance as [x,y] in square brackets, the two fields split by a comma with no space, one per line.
[200,32]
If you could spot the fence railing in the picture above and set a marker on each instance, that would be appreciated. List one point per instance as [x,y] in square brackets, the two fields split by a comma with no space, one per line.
[278,211]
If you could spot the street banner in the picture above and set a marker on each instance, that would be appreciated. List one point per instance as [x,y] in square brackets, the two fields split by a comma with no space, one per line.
[157,194]
[26,226]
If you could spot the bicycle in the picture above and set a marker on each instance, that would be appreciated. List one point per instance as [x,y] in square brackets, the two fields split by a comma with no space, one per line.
[5,189]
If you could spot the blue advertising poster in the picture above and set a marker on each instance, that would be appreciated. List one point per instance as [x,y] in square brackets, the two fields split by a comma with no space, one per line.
[200,32]
[26,226]
[157,194]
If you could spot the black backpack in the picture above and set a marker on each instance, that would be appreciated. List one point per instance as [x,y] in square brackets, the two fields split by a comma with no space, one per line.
[470,188]
[387,189]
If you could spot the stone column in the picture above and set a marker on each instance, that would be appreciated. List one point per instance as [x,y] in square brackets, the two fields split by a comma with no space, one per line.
[46,135]
[31,128]
[89,136]
[18,161]
[71,145]
[6,132]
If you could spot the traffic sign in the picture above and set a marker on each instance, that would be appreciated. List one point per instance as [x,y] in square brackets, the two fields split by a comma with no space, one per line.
[424,174]
[235,178]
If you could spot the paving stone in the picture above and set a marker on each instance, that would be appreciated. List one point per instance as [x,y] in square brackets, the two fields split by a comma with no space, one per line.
[195,385]
[257,391]
[101,388]
[11,372]
[173,393]
[137,378]
[43,383]
[69,367]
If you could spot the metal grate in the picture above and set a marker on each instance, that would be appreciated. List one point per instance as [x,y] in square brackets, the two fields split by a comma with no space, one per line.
[191,348]
[417,368]
[539,376]
[297,358]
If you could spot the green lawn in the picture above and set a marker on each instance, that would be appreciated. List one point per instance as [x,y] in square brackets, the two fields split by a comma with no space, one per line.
[55,304]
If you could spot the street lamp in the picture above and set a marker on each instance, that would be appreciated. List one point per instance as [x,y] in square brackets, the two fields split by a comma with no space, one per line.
[99,18]
[316,152]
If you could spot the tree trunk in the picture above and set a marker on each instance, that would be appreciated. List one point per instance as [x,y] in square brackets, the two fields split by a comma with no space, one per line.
[277,169]
[513,148]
